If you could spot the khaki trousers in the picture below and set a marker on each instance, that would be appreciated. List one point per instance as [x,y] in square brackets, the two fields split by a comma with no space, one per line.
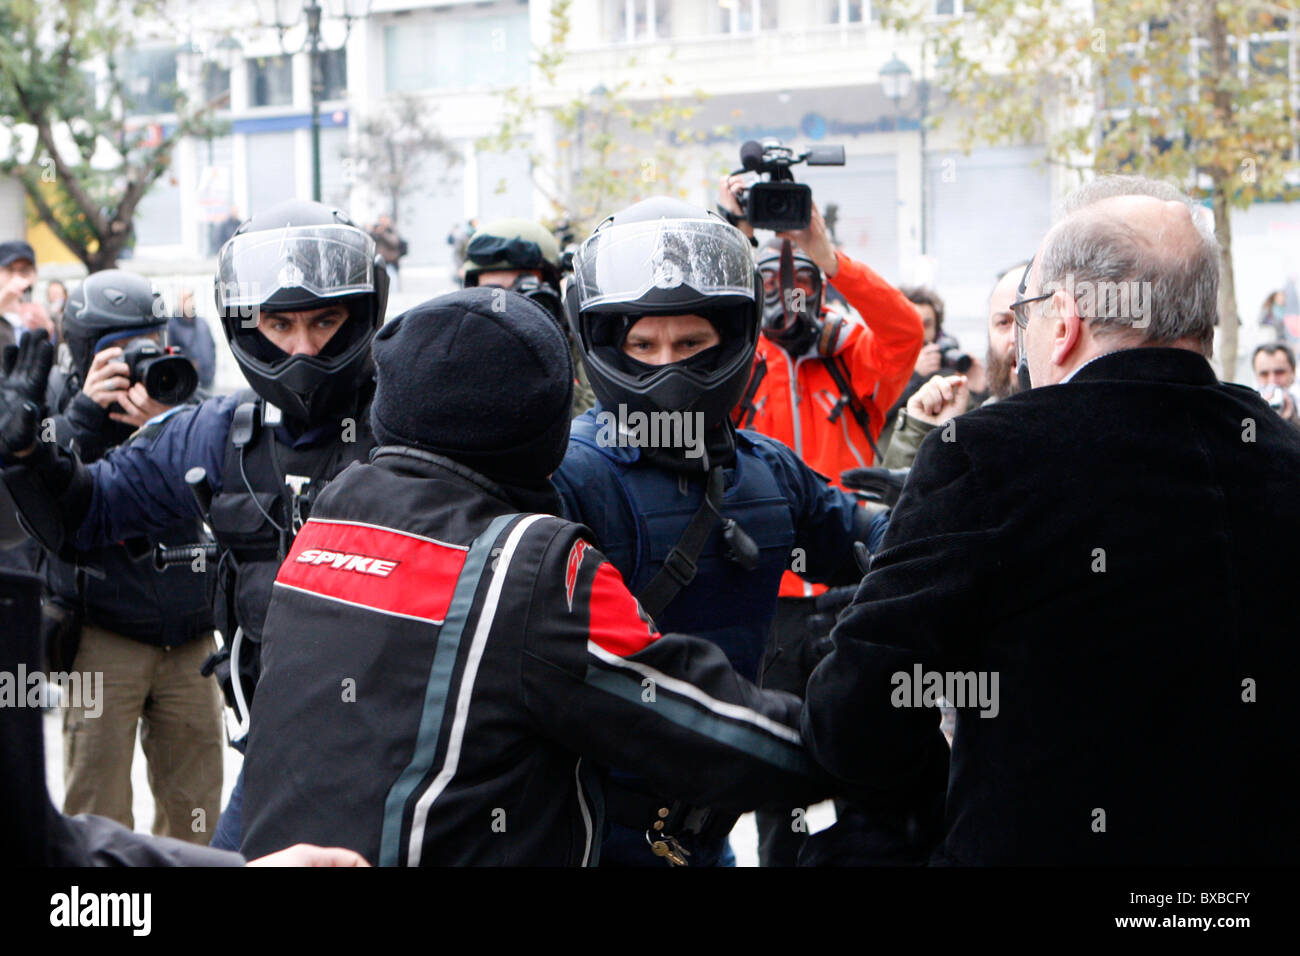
[178,712]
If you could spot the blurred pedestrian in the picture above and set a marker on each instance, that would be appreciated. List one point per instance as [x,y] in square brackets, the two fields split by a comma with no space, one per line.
[191,333]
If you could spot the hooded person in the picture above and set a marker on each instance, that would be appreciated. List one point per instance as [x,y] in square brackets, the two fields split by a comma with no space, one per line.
[503,659]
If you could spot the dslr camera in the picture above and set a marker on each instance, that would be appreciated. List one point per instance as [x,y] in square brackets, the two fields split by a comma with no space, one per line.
[780,203]
[168,376]
[951,354]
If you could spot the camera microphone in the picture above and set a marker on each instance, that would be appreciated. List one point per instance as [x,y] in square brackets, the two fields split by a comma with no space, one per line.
[751,156]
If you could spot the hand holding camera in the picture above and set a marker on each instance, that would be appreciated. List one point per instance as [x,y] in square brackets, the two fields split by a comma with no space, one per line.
[139,383]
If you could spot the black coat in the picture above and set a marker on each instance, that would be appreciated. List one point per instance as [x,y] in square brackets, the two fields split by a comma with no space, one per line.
[1120,551]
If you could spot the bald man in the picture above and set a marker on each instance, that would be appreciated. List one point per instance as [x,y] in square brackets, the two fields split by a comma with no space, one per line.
[1088,571]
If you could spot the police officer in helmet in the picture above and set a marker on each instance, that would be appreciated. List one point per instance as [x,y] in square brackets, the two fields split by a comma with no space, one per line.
[300,291]
[665,308]
[522,255]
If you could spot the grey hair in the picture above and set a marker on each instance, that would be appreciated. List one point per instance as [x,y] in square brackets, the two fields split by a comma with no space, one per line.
[1107,187]
[1160,287]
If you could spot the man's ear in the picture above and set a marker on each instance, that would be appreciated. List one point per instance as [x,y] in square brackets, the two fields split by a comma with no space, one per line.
[1067,327]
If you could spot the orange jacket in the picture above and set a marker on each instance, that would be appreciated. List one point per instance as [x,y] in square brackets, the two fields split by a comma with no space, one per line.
[796,395]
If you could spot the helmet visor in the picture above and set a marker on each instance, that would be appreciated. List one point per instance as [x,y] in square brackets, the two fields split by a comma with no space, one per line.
[316,261]
[622,263]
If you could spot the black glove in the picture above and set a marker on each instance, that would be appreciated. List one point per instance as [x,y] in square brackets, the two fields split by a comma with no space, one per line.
[876,484]
[26,369]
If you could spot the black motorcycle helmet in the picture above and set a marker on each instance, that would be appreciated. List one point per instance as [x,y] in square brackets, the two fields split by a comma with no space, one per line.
[108,308]
[663,256]
[295,256]
[794,329]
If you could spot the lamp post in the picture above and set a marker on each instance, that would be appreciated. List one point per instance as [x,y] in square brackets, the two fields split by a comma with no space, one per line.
[896,83]
[283,16]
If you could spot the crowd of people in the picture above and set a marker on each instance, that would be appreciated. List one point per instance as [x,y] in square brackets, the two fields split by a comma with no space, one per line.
[576,564]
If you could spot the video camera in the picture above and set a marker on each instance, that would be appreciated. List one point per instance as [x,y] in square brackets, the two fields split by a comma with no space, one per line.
[781,204]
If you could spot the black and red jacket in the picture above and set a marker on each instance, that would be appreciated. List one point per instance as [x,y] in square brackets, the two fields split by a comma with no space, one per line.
[444,678]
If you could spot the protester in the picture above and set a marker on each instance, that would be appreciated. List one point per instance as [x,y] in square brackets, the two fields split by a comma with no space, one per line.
[504,660]
[191,334]
[953,394]
[1020,573]
[700,518]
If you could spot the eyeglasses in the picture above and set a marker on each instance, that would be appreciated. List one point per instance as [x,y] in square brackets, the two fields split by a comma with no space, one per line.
[1019,308]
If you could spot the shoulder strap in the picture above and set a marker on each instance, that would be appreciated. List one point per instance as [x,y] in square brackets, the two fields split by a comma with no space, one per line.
[680,565]
[849,397]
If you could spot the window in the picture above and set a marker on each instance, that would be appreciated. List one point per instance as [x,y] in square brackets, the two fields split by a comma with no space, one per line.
[843,12]
[334,74]
[629,21]
[216,83]
[270,81]
[150,80]
[450,52]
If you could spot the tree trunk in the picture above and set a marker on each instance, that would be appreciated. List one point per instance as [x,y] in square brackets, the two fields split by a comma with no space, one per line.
[1228,318]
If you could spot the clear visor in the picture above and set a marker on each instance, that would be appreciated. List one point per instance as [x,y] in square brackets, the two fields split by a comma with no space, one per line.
[621,263]
[323,261]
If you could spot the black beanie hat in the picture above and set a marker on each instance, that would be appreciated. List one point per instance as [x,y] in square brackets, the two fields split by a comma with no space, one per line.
[482,376]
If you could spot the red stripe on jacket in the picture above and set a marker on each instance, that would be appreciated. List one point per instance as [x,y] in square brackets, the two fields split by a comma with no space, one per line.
[618,624]
[374,567]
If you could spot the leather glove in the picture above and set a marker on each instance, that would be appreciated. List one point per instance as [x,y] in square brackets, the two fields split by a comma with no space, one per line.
[26,370]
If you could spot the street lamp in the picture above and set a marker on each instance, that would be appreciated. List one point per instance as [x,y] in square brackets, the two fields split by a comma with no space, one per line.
[283,15]
[896,84]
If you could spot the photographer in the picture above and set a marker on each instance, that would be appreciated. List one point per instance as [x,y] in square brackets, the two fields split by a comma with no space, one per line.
[942,354]
[1274,366]
[820,384]
[109,610]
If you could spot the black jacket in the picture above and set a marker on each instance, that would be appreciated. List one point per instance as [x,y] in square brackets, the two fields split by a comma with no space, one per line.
[1116,550]
[443,678]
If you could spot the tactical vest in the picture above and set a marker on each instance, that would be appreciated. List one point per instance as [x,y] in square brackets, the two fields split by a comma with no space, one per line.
[639,517]
[267,490]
